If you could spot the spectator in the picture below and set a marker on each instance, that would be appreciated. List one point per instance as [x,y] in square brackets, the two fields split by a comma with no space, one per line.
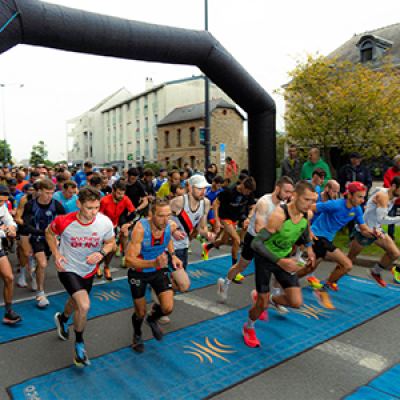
[291,165]
[188,169]
[387,179]
[211,173]
[231,168]
[314,161]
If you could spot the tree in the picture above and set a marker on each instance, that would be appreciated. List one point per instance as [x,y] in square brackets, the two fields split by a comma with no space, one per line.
[280,148]
[344,105]
[2,152]
[38,153]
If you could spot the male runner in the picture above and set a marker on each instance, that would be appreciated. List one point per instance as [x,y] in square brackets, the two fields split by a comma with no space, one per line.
[86,236]
[334,214]
[211,194]
[376,214]
[67,196]
[147,261]
[121,211]
[228,211]
[263,208]
[7,228]
[38,214]
[272,245]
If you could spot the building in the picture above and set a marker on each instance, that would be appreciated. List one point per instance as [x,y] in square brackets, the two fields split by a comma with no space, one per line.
[87,131]
[130,126]
[181,140]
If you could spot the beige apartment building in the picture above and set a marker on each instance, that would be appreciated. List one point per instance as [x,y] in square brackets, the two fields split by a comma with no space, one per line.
[130,127]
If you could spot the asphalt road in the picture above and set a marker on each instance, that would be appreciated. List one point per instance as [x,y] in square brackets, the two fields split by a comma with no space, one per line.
[329,371]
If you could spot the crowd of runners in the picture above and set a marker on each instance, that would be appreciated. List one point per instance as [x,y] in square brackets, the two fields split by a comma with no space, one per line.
[85,217]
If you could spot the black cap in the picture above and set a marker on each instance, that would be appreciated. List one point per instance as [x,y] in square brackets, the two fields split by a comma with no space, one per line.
[4,190]
[11,181]
[355,154]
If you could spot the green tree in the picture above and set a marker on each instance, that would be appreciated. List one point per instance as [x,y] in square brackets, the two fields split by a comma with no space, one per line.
[2,152]
[39,153]
[280,148]
[344,105]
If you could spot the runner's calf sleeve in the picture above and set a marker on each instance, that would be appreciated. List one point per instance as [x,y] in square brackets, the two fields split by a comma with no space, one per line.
[258,246]
[156,313]
[137,324]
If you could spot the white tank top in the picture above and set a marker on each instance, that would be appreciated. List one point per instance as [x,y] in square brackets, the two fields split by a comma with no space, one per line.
[271,207]
[186,221]
[370,210]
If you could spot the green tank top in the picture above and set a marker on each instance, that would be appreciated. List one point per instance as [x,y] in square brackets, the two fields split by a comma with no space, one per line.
[281,243]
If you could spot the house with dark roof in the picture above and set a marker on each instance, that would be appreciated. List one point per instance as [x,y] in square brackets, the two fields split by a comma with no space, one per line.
[181,138]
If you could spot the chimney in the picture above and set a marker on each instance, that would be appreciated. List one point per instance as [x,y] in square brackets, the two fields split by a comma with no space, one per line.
[149,83]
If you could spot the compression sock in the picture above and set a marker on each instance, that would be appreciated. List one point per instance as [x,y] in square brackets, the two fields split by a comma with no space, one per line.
[78,337]
[63,318]
[155,314]
[209,246]
[137,324]
[234,261]
[8,307]
[250,324]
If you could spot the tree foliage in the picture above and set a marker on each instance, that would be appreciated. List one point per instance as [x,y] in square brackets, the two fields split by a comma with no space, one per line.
[39,153]
[2,152]
[341,104]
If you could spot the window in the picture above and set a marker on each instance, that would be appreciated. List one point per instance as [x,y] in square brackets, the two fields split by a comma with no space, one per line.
[192,162]
[178,138]
[366,51]
[192,136]
[166,136]
[155,124]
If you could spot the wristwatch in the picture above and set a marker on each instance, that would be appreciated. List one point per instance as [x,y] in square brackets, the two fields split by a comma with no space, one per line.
[102,252]
[173,254]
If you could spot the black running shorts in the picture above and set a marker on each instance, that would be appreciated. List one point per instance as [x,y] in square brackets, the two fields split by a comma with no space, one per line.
[265,268]
[40,245]
[247,252]
[158,280]
[322,246]
[73,282]
[183,255]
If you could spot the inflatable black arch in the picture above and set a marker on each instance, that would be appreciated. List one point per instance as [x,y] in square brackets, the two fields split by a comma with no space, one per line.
[48,25]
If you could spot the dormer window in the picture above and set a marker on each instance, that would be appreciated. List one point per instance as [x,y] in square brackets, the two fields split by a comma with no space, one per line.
[366,51]
[372,47]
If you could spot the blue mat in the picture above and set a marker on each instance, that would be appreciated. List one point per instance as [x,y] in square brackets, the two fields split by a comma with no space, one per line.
[105,299]
[366,393]
[200,360]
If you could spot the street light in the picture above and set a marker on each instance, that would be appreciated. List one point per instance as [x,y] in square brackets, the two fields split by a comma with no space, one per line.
[4,85]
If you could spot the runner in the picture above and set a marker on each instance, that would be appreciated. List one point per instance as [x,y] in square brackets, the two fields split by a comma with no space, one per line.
[211,194]
[147,262]
[264,207]
[161,179]
[85,239]
[334,214]
[228,211]
[376,214]
[121,211]
[38,214]
[68,197]
[165,189]
[272,245]
[7,228]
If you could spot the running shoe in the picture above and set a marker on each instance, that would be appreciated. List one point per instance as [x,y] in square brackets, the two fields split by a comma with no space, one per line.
[377,278]
[264,315]
[278,307]
[137,344]
[396,275]
[189,250]
[155,328]
[99,274]
[80,356]
[164,320]
[41,300]
[314,282]
[239,278]
[332,286]
[123,262]
[107,274]
[323,299]
[222,289]
[250,338]
[301,261]
[204,252]
[62,328]
[11,317]
[21,278]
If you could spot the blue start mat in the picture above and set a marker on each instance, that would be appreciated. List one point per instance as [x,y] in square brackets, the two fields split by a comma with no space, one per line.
[105,299]
[366,393]
[200,360]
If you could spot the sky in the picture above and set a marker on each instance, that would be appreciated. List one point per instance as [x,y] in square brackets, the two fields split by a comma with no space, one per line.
[265,37]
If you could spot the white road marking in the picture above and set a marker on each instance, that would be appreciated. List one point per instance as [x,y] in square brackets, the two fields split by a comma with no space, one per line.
[354,354]
[199,302]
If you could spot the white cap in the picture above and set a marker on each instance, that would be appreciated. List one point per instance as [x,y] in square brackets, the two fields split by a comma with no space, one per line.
[198,181]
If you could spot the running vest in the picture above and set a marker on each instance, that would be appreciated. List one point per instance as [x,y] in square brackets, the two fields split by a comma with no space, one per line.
[153,247]
[271,207]
[281,243]
[159,183]
[186,221]
[42,218]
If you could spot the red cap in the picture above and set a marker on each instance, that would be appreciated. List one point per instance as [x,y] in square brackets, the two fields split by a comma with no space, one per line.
[353,187]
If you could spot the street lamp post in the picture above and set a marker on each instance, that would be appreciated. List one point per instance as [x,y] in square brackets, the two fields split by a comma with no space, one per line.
[3,86]
[207,133]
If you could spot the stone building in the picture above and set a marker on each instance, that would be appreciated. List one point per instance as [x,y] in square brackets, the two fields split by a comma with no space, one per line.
[181,140]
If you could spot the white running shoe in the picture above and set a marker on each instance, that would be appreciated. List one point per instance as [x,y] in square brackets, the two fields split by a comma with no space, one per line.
[278,307]
[222,289]
[164,320]
[21,278]
[41,300]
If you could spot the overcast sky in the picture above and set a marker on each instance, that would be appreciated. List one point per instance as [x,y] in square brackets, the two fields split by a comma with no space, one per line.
[264,36]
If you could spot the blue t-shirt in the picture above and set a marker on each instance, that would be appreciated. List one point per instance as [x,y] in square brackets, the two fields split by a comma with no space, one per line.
[317,188]
[212,196]
[79,177]
[69,204]
[316,213]
[17,198]
[334,215]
